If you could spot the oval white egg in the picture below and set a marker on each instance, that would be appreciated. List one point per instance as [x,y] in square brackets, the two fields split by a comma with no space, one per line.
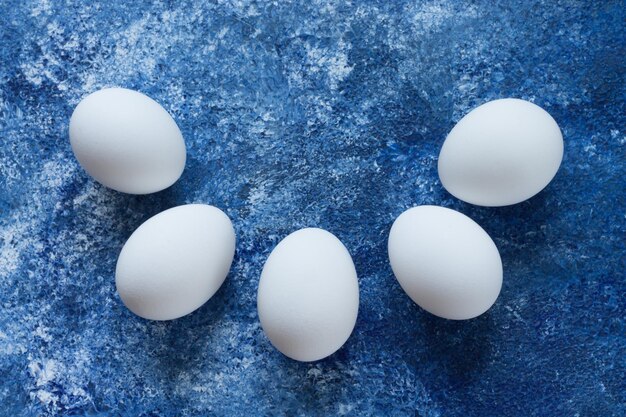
[501,153]
[445,262]
[175,261]
[127,141]
[308,297]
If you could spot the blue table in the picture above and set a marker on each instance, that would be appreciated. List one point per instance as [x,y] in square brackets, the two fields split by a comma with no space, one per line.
[312,114]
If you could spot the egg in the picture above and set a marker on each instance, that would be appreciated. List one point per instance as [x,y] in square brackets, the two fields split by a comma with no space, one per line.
[501,153]
[308,296]
[175,261]
[127,141]
[445,262]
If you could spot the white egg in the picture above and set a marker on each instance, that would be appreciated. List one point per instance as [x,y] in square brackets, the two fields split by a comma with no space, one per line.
[445,262]
[127,141]
[501,153]
[175,261]
[308,297]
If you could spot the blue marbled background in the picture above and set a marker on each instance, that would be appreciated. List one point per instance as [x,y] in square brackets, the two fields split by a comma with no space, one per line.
[312,114]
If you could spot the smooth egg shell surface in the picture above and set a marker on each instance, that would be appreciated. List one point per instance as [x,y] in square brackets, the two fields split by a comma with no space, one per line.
[308,297]
[127,141]
[175,261]
[445,262]
[501,153]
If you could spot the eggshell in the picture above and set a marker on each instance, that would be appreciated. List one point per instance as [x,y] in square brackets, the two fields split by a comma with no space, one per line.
[127,141]
[445,262]
[175,261]
[308,297]
[501,153]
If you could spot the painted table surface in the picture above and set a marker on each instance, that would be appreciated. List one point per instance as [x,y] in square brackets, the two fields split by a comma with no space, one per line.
[312,114]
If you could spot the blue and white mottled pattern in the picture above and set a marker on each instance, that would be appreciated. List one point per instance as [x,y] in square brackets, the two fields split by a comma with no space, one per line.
[312,113]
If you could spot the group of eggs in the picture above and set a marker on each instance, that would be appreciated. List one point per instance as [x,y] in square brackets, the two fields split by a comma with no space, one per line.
[501,153]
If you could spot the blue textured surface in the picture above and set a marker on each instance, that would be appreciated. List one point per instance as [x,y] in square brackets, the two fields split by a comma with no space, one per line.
[312,114]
